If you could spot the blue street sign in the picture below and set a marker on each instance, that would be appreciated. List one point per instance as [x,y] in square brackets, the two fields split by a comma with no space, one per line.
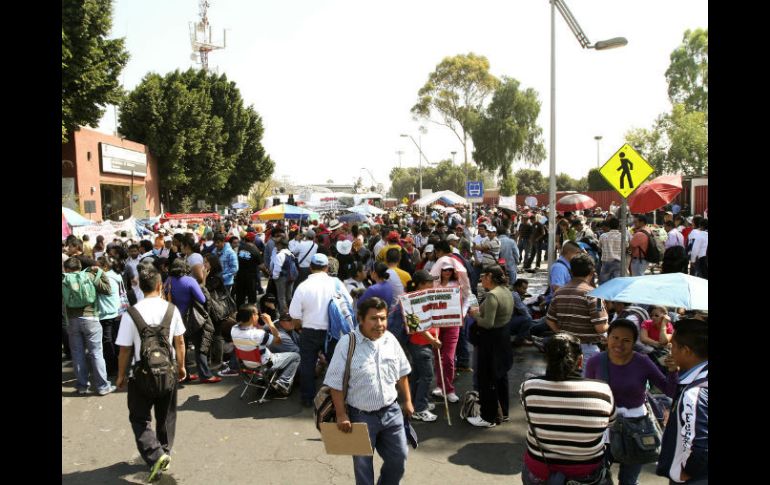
[474,189]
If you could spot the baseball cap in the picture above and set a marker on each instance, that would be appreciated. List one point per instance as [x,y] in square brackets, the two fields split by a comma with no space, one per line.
[393,236]
[422,276]
[491,228]
[452,237]
[319,259]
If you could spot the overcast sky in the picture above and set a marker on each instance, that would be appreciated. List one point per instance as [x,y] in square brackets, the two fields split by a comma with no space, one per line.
[334,80]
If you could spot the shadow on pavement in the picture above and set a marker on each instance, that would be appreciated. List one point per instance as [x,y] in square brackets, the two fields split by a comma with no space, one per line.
[118,473]
[230,406]
[477,456]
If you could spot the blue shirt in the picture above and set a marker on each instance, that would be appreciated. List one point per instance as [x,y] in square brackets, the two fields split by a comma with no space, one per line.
[381,290]
[518,305]
[675,209]
[510,252]
[560,275]
[229,261]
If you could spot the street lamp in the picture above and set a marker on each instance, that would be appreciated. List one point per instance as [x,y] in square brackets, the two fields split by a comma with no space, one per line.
[419,148]
[586,44]
[399,153]
[598,138]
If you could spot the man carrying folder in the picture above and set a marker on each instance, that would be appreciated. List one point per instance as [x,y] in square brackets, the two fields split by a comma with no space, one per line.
[377,366]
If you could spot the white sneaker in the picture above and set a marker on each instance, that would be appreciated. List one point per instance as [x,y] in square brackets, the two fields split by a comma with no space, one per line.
[478,421]
[431,406]
[452,397]
[438,392]
[426,416]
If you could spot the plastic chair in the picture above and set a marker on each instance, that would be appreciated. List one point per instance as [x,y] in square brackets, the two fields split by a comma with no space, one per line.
[258,376]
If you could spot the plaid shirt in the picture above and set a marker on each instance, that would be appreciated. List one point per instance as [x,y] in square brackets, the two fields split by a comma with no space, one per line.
[609,242]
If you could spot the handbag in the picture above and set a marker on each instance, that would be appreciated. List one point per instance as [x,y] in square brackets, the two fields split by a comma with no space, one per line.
[633,441]
[323,406]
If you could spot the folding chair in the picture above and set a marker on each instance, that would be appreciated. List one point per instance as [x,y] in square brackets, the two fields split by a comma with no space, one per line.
[258,376]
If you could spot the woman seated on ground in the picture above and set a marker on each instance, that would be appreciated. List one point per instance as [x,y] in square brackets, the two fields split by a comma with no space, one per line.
[583,410]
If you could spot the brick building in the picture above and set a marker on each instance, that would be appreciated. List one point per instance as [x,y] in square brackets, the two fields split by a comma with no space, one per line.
[105,177]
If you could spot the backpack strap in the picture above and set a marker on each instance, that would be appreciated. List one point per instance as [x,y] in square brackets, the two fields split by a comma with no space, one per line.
[137,318]
[166,322]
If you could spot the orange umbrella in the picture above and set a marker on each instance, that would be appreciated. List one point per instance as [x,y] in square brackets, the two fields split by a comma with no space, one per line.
[574,202]
[655,194]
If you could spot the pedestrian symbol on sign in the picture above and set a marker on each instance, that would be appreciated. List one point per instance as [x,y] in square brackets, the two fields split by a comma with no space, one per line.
[626,166]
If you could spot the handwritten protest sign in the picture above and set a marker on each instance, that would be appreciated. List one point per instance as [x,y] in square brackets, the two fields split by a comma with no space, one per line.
[436,307]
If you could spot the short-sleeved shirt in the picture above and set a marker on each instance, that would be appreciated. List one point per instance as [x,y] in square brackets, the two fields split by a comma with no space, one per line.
[653,331]
[381,290]
[249,338]
[639,243]
[152,310]
[374,370]
[576,313]
[420,339]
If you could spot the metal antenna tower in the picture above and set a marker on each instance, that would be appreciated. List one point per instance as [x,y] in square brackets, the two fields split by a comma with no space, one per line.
[201,39]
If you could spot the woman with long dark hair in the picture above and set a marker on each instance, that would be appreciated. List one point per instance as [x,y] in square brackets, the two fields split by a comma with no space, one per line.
[567,416]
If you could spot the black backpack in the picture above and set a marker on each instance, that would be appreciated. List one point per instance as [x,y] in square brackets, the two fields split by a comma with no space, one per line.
[155,373]
[653,253]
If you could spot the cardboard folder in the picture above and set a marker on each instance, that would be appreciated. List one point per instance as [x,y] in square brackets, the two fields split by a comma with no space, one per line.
[354,443]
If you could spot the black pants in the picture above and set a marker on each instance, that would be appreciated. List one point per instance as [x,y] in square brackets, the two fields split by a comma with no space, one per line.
[246,288]
[495,360]
[110,329]
[152,444]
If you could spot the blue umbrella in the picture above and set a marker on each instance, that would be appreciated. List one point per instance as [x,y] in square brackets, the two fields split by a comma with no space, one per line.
[352,217]
[676,290]
[74,219]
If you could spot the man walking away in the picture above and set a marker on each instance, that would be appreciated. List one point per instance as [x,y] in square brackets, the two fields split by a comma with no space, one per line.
[154,446]
[610,246]
[228,259]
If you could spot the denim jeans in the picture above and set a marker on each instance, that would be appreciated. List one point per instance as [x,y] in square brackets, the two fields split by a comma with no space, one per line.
[287,363]
[85,333]
[520,325]
[512,274]
[589,350]
[638,266]
[309,344]
[610,270]
[283,292]
[463,351]
[629,474]
[386,433]
[201,362]
[421,375]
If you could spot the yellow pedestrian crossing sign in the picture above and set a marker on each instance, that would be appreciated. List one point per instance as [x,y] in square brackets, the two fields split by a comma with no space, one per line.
[626,170]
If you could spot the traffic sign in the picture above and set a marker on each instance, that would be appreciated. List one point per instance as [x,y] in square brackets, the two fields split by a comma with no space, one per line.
[404,200]
[474,191]
[626,170]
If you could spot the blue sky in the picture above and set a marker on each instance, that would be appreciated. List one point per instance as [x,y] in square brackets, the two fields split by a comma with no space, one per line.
[334,80]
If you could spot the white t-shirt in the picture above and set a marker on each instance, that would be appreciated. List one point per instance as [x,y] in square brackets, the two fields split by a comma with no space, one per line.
[152,311]
[311,300]
[249,338]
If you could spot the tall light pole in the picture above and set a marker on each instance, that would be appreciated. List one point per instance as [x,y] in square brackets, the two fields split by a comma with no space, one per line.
[586,44]
[598,139]
[422,155]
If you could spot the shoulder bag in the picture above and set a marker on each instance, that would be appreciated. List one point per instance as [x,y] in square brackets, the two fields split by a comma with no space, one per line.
[323,406]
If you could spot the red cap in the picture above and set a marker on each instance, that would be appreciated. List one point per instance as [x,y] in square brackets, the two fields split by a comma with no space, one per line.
[393,236]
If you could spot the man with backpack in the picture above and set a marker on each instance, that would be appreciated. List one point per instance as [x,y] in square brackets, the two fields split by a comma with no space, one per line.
[281,273]
[146,330]
[310,309]
[644,250]
[79,292]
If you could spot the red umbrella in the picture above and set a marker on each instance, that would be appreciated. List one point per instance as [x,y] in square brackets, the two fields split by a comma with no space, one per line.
[574,202]
[655,194]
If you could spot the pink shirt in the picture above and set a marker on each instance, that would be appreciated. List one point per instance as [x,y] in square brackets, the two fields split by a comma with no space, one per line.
[653,331]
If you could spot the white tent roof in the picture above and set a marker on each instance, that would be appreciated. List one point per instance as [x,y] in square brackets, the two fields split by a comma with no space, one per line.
[445,194]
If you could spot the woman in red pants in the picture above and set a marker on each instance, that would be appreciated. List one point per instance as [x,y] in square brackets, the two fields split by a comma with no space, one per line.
[452,274]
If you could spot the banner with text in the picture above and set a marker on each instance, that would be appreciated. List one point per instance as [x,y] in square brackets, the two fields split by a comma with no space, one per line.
[436,307]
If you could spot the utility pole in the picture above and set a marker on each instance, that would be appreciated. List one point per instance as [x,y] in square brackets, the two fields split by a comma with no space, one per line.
[201,39]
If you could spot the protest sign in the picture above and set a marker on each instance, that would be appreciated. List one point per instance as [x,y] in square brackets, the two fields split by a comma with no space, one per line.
[436,307]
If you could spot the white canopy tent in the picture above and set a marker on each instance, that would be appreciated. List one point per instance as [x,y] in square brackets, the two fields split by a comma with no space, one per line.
[446,196]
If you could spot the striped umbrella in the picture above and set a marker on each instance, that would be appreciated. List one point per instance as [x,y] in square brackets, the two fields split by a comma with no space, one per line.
[283,211]
[574,202]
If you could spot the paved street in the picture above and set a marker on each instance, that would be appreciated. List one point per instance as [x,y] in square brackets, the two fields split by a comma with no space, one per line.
[221,439]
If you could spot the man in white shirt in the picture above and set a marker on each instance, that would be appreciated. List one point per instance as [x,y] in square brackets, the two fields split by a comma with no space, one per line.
[280,277]
[154,446]
[377,367]
[304,252]
[310,309]
[698,255]
[675,237]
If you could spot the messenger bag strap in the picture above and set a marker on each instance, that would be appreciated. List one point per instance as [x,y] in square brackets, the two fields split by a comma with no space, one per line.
[308,252]
[346,376]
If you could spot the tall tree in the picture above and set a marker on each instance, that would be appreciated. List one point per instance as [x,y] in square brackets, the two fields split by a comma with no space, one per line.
[508,131]
[688,73]
[595,181]
[91,63]
[455,93]
[531,182]
[208,145]
[444,176]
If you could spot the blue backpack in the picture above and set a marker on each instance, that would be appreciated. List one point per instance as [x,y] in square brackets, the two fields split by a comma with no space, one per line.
[342,318]
[289,268]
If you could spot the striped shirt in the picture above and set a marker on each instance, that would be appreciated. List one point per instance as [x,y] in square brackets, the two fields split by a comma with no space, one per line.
[376,367]
[575,313]
[249,338]
[609,242]
[569,418]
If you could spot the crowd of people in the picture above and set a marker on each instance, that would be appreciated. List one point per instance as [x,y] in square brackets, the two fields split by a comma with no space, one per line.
[241,285]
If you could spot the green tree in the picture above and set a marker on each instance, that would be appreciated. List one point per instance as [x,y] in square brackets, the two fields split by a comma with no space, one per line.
[208,145]
[508,131]
[455,92]
[565,182]
[261,191]
[688,73]
[91,63]
[596,181]
[531,182]
[444,176]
